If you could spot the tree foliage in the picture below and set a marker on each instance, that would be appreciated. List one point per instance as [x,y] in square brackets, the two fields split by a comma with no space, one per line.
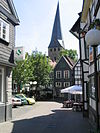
[70,53]
[35,67]
[42,68]
[17,72]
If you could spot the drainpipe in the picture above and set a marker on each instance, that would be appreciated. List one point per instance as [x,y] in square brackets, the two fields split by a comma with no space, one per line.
[5,95]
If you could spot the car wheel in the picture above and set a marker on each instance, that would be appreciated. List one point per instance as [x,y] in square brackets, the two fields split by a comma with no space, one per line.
[14,106]
[28,102]
[22,104]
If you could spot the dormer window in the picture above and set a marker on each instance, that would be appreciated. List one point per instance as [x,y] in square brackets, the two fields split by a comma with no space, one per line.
[4,30]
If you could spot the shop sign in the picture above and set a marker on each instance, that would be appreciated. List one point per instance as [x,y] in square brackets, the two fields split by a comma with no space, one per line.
[19,53]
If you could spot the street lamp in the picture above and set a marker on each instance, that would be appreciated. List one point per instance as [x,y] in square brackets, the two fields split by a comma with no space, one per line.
[93,39]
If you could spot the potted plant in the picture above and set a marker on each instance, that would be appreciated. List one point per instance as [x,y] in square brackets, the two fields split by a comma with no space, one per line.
[95,24]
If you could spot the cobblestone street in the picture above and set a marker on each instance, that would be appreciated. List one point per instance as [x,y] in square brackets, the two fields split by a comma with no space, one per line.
[45,117]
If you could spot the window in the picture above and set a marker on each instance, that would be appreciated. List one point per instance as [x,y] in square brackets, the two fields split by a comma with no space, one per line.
[78,70]
[92,87]
[78,81]
[58,75]
[1,84]
[4,30]
[66,74]
[66,84]
[58,84]
[58,49]
[51,50]
[55,58]
[54,49]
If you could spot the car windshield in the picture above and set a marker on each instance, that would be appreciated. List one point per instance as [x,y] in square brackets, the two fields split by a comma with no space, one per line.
[17,96]
[21,96]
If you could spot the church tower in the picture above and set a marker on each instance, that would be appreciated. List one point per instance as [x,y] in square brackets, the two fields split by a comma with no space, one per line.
[56,43]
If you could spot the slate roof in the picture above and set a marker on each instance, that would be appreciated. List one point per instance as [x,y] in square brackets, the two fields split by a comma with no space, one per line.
[56,39]
[13,17]
[68,60]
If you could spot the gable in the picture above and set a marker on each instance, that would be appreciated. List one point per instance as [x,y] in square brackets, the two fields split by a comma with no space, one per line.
[75,29]
[62,64]
[78,62]
[7,8]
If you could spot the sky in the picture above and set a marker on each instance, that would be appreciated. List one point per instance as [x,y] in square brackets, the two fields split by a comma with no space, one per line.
[37,19]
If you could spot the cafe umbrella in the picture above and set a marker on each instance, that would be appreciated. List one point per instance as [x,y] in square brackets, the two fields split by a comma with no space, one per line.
[75,89]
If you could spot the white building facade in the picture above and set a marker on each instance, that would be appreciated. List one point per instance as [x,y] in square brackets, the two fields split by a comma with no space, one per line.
[91,14]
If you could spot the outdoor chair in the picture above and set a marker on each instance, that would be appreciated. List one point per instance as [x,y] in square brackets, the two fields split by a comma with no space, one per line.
[68,104]
[77,106]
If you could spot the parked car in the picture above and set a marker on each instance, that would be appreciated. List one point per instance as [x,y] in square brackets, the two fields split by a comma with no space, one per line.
[29,100]
[16,102]
[23,100]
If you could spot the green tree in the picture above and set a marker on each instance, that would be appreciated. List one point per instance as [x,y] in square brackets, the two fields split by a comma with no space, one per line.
[70,53]
[28,68]
[42,68]
[17,74]
[35,67]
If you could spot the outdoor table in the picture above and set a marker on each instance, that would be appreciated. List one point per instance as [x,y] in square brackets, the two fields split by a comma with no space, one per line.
[68,104]
[77,106]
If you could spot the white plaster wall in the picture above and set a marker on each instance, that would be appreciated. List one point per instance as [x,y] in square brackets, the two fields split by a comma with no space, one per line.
[98,14]
[92,103]
[91,69]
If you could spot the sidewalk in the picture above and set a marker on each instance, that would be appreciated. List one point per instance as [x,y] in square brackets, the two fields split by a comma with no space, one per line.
[6,127]
[47,117]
